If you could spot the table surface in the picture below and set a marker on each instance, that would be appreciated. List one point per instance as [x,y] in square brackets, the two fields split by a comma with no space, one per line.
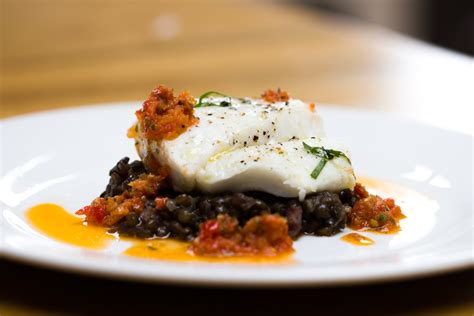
[69,53]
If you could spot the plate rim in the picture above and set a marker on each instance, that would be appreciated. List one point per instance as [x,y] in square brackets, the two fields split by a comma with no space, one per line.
[457,264]
[310,281]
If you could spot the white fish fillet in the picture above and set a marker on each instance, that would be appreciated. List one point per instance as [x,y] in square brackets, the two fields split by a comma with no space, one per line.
[244,124]
[283,169]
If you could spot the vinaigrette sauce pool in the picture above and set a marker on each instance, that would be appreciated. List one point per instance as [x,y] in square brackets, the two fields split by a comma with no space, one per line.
[55,222]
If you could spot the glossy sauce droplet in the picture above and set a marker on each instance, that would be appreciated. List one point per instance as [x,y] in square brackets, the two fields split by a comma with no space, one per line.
[357,239]
[55,222]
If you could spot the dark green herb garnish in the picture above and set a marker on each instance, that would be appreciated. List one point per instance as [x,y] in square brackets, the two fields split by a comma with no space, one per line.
[201,102]
[325,155]
[383,218]
[245,101]
[318,168]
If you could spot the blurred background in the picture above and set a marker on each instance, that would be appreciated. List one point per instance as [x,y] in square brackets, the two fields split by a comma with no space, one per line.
[57,53]
[442,22]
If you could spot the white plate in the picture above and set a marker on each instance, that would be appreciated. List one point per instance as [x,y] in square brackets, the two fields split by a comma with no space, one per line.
[64,156]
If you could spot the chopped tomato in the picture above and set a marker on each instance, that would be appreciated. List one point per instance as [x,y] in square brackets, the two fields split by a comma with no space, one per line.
[95,213]
[119,207]
[273,96]
[164,116]
[262,235]
[267,235]
[147,184]
[108,211]
[375,213]
[160,203]
[360,191]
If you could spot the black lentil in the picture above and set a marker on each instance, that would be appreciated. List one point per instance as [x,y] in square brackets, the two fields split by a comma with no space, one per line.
[122,174]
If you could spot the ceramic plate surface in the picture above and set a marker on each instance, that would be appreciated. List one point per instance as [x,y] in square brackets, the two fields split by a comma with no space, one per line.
[63,157]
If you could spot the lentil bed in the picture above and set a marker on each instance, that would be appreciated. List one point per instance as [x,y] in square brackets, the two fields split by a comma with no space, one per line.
[322,214]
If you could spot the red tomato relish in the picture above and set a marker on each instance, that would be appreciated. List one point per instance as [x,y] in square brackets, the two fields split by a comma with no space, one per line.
[265,235]
[374,213]
[107,211]
[273,96]
[164,116]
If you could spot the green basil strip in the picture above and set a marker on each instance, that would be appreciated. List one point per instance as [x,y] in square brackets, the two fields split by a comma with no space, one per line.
[211,93]
[336,153]
[325,155]
[318,168]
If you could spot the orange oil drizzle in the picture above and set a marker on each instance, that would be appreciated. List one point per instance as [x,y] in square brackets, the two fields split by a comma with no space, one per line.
[357,239]
[389,189]
[55,222]
[173,250]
